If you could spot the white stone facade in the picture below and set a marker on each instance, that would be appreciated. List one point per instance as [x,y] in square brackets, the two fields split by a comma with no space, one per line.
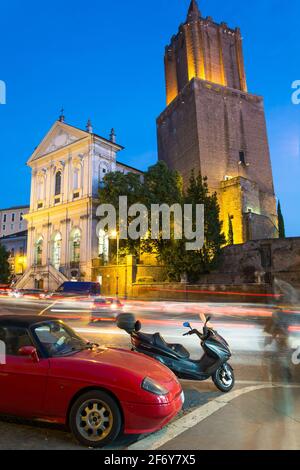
[67,168]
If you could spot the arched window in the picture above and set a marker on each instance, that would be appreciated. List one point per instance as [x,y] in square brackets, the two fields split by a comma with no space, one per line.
[38,251]
[56,250]
[104,246]
[57,183]
[75,239]
[76,178]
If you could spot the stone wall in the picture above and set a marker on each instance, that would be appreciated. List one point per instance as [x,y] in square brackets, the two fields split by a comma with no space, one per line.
[264,259]
[247,273]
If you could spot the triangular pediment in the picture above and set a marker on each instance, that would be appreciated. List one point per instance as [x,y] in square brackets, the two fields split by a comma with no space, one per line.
[60,135]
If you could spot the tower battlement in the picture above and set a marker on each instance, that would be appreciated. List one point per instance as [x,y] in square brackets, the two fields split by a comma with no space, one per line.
[206,50]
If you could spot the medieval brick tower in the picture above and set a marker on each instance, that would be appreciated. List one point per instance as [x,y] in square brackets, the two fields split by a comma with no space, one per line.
[214,126]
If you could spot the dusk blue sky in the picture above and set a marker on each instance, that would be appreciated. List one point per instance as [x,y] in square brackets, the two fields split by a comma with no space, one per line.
[104,60]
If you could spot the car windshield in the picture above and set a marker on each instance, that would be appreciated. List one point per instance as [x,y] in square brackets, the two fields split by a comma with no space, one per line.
[58,340]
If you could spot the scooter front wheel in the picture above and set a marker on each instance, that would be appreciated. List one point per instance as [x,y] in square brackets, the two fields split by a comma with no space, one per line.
[224,379]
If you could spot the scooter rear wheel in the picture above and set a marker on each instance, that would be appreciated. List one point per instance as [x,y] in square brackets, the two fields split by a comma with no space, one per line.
[224,379]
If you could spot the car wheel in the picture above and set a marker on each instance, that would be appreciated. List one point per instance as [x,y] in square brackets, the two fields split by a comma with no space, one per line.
[95,419]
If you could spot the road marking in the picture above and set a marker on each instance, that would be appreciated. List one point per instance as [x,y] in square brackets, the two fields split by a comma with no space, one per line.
[47,308]
[175,429]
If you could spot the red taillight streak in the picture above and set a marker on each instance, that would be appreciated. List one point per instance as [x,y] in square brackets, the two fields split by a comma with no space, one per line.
[247,294]
[294,328]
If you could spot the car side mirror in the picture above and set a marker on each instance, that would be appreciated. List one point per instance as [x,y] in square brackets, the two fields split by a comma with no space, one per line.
[29,351]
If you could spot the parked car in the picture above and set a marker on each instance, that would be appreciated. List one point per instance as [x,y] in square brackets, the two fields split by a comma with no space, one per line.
[106,308]
[53,374]
[26,293]
[76,289]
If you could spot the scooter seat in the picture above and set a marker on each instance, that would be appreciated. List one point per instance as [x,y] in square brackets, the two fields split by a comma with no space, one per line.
[158,341]
[148,338]
[177,348]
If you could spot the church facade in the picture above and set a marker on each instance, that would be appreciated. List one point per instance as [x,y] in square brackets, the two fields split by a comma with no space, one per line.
[67,168]
[214,126]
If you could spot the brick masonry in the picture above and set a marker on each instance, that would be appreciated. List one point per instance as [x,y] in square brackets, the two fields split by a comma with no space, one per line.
[213,125]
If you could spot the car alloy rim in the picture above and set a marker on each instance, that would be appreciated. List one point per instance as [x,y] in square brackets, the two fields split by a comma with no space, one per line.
[94,420]
[226,377]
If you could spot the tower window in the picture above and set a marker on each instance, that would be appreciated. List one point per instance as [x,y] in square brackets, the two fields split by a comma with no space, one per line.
[242,158]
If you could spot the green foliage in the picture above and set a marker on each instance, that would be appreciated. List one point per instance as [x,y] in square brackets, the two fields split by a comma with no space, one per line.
[230,231]
[4,265]
[281,225]
[195,263]
[119,184]
[163,186]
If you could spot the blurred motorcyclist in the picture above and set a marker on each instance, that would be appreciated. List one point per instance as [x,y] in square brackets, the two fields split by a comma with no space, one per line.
[277,327]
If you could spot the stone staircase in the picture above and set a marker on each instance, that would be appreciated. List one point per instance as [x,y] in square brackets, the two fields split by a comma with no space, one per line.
[51,276]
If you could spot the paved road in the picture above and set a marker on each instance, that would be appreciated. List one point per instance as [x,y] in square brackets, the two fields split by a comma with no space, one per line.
[264,413]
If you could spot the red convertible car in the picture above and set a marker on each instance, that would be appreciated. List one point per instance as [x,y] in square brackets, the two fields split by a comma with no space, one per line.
[52,374]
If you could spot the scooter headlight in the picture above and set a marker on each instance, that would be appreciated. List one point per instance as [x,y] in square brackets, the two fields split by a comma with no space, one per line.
[154,387]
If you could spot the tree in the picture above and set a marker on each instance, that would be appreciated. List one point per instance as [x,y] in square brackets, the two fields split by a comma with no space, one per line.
[119,184]
[281,224]
[179,262]
[161,185]
[4,265]
[230,230]
[206,259]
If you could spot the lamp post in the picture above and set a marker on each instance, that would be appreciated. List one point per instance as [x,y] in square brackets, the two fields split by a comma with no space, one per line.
[116,235]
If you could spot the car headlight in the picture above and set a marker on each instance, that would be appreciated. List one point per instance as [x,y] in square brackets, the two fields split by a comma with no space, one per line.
[152,386]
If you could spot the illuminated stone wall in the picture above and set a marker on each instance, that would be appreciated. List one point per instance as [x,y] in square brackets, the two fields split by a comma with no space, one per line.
[212,125]
[279,259]
[204,129]
[205,50]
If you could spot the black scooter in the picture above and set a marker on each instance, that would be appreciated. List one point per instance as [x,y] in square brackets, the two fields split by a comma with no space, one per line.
[212,364]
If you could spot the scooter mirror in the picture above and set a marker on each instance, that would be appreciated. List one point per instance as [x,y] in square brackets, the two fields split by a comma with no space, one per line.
[187,325]
[208,318]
